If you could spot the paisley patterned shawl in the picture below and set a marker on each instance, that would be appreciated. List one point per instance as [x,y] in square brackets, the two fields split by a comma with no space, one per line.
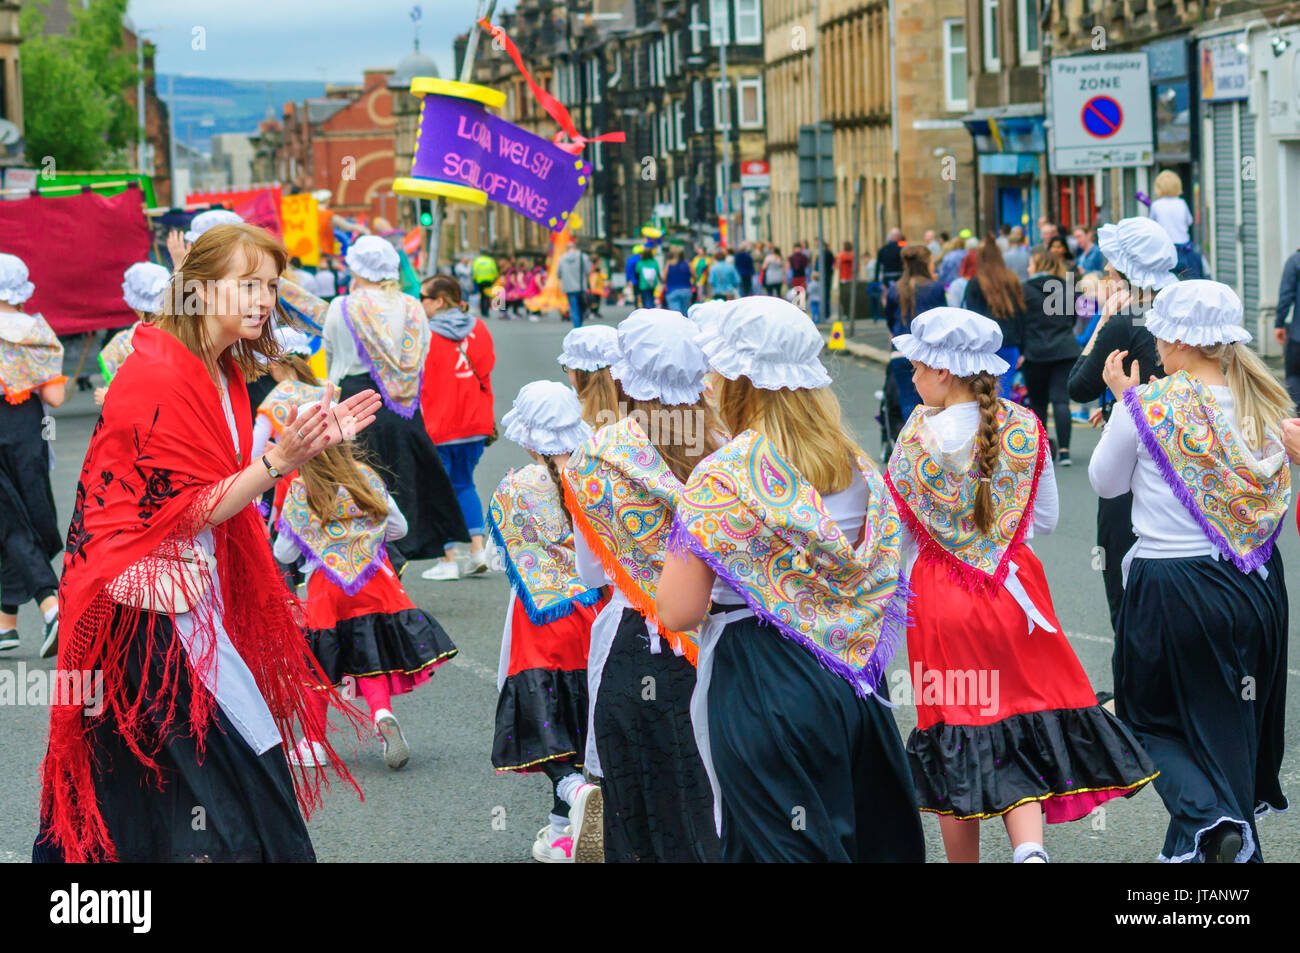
[29,360]
[119,347]
[622,496]
[766,532]
[396,366]
[1238,500]
[938,504]
[536,543]
[349,548]
[304,308]
[283,398]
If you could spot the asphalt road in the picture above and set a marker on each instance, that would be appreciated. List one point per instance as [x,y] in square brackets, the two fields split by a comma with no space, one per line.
[449,805]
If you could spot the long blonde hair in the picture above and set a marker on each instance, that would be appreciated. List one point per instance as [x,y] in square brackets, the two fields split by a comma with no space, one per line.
[988,446]
[598,395]
[1261,403]
[206,263]
[667,430]
[804,426]
[334,467]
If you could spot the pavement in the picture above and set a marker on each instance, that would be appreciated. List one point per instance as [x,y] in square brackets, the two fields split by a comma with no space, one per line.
[448,804]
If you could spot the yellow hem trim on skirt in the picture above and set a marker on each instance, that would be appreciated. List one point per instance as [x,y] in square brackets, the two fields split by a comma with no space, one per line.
[1043,797]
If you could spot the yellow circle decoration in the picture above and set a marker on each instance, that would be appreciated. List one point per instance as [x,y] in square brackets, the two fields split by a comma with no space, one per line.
[431,189]
[424,85]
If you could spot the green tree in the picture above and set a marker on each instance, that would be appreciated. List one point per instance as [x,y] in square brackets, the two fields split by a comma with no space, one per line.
[76,109]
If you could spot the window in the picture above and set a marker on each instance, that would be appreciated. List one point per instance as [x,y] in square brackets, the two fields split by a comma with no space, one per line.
[682,197]
[594,80]
[659,60]
[749,21]
[721,109]
[677,52]
[598,156]
[695,28]
[749,105]
[1028,32]
[679,114]
[719,22]
[464,231]
[992,54]
[697,90]
[954,60]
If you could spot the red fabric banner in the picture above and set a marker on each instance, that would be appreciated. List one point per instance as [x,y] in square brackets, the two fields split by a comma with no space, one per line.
[76,248]
[255,206]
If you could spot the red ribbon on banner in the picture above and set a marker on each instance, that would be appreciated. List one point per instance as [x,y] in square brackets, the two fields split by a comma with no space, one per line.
[554,108]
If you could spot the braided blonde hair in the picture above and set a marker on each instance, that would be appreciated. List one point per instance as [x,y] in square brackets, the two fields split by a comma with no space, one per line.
[988,445]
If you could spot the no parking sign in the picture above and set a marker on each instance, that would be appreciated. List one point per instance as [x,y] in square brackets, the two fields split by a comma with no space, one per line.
[1100,113]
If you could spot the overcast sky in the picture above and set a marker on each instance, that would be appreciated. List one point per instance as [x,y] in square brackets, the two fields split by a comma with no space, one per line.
[330,40]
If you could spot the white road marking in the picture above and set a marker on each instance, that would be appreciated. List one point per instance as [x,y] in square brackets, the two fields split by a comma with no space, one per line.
[461,660]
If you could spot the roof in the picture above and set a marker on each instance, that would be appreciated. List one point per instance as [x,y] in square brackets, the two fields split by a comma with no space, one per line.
[416,64]
[319,110]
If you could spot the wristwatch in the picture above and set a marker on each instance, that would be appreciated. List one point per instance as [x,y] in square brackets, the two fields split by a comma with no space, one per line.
[275,474]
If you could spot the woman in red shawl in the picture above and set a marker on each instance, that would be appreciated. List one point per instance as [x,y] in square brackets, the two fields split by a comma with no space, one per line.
[169,590]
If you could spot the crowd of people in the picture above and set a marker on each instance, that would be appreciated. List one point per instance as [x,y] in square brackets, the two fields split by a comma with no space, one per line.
[697,529]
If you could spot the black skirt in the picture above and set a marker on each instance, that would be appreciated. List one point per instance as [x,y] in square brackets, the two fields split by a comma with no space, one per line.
[1200,676]
[404,455]
[229,804]
[403,643]
[808,770]
[29,525]
[658,803]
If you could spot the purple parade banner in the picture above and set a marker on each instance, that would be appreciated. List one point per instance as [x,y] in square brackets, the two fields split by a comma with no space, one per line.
[461,143]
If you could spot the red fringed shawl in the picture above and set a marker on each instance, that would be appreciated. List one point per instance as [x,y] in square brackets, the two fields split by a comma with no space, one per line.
[146,487]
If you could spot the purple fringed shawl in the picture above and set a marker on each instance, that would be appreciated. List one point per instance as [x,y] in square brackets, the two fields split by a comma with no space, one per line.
[1233,500]
[349,549]
[397,368]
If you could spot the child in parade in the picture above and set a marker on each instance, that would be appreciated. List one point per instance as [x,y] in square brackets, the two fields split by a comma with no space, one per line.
[142,286]
[586,355]
[1200,648]
[622,487]
[169,590]
[337,517]
[541,720]
[790,533]
[295,385]
[31,362]
[1021,735]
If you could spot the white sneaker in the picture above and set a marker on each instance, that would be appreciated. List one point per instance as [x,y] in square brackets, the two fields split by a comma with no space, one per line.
[478,562]
[309,754]
[442,571]
[549,849]
[587,820]
[9,640]
[396,751]
[50,647]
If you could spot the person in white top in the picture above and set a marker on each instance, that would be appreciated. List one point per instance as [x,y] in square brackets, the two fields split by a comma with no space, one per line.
[1008,724]
[1201,643]
[1172,214]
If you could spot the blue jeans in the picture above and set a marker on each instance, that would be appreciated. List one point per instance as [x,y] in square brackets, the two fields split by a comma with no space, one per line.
[1010,355]
[575,307]
[679,299]
[460,460]
[647,297]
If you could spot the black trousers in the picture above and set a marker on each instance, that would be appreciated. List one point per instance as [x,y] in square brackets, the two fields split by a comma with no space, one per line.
[1115,538]
[1048,385]
[1291,360]
[484,297]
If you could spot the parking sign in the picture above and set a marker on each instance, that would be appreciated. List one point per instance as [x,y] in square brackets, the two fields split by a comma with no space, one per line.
[1101,113]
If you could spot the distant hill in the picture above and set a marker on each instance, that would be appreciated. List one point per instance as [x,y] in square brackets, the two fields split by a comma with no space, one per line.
[232,105]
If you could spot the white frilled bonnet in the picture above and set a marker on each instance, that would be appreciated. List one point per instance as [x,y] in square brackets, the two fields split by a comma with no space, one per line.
[954,339]
[14,286]
[660,359]
[1199,313]
[589,348]
[373,259]
[143,285]
[211,219]
[705,314]
[1140,249]
[293,341]
[546,418]
[768,340]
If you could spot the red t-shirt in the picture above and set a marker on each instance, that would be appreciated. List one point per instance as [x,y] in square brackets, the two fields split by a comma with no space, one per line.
[456,393]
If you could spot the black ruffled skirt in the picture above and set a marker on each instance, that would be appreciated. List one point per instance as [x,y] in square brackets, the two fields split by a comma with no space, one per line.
[808,770]
[658,803]
[229,804]
[404,644]
[409,463]
[1200,676]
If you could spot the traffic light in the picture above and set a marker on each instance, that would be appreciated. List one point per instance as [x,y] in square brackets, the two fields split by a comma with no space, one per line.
[424,210]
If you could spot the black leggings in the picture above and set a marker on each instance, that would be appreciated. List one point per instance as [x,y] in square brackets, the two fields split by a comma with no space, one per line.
[557,771]
[1048,384]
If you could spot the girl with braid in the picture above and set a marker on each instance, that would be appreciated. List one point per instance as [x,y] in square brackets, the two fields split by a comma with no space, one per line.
[1007,723]
[541,720]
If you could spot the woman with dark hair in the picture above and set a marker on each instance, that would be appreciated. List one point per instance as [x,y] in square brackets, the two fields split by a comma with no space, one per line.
[1049,345]
[170,594]
[457,403]
[378,335]
[996,293]
[914,293]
